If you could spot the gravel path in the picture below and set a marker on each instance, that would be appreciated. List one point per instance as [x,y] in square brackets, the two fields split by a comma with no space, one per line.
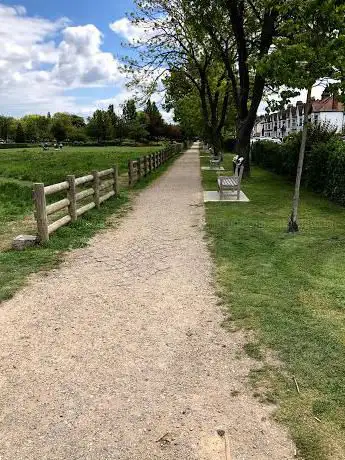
[119,354]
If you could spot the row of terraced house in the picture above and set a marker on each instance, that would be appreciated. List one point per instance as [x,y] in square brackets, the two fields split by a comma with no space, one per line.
[280,124]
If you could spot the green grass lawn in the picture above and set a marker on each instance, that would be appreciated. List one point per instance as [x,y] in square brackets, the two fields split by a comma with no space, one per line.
[16,205]
[36,165]
[19,168]
[289,289]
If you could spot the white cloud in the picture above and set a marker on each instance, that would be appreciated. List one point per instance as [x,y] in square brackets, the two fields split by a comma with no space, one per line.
[26,40]
[131,32]
[81,61]
[42,59]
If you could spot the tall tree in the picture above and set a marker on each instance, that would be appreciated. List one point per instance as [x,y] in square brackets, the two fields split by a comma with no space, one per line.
[137,128]
[6,127]
[176,44]
[20,134]
[129,111]
[242,33]
[30,127]
[115,122]
[207,115]
[58,130]
[99,126]
[155,119]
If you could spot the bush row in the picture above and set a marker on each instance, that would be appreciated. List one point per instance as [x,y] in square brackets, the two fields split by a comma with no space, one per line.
[16,146]
[324,165]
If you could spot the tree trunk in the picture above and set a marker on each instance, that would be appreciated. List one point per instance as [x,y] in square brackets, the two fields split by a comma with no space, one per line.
[293,220]
[215,140]
[242,148]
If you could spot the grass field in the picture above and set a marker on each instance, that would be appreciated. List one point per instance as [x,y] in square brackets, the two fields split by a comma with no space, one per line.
[52,166]
[290,290]
[18,170]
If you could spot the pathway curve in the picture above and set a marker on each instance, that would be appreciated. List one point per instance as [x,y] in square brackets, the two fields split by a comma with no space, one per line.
[120,353]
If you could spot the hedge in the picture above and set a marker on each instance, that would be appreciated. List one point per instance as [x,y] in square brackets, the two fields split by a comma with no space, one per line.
[16,146]
[324,165]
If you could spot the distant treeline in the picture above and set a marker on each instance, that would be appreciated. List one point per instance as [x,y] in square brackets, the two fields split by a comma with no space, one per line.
[103,126]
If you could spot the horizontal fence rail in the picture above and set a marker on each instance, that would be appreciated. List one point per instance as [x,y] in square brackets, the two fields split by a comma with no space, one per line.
[101,185]
[143,166]
[87,192]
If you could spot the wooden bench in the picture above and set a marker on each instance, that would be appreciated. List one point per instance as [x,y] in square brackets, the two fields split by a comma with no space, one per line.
[231,183]
[215,162]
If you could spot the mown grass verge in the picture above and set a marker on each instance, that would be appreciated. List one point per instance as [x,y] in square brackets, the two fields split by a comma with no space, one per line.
[16,266]
[290,290]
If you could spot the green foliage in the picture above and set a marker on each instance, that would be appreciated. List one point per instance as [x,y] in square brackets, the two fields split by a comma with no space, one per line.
[14,199]
[334,187]
[100,126]
[155,125]
[129,111]
[13,145]
[208,117]
[188,113]
[7,127]
[20,135]
[311,44]
[136,129]
[58,130]
[324,167]
[103,126]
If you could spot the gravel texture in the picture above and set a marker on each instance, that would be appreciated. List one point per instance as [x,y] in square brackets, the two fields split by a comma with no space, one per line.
[120,353]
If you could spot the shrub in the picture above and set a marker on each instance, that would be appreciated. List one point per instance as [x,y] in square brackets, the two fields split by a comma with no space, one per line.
[334,187]
[16,146]
[268,155]
[324,165]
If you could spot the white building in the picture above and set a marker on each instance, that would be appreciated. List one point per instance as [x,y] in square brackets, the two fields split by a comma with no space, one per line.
[281,124]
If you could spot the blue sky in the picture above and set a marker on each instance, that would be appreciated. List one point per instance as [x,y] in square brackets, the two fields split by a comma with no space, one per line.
[62,55]
[100,13]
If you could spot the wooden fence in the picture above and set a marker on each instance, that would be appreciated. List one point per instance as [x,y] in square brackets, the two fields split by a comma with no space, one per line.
[144,165]
[102,185]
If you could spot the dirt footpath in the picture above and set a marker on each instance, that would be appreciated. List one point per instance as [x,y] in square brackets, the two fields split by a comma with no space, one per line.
[120,353]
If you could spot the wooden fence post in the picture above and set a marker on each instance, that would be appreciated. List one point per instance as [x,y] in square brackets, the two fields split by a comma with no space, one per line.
[95,187]
[145,166]
[41,213]
[130,173]
[151,162]
[71,192]
[139,168]
[116,180]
